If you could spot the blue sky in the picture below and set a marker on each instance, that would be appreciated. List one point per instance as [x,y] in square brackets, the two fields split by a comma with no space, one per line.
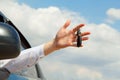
[93,10]
[99,59]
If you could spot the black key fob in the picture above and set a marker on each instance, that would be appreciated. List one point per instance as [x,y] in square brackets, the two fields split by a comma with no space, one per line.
[79,39]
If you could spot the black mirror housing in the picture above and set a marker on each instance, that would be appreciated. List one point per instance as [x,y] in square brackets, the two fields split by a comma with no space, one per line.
[9,39]
[9,42]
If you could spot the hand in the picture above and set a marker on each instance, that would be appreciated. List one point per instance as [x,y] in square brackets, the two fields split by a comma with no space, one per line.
[65,38]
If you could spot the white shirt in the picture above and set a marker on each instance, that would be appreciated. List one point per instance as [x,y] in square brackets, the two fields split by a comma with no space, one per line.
[26,59]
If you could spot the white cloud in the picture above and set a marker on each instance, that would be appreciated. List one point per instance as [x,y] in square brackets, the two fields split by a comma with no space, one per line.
[41,22]
[87,63]
[75,72]
[113,14]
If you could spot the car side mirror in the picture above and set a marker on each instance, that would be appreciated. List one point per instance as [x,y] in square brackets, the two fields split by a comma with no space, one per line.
[9,42]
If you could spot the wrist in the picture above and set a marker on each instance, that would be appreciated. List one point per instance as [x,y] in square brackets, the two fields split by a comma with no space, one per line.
[50,47]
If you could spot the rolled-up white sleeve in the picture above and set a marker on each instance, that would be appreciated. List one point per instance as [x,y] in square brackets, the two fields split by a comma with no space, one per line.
[26,59]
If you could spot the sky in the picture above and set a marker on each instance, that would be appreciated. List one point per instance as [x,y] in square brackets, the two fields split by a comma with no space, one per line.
[93,11]
[39,21]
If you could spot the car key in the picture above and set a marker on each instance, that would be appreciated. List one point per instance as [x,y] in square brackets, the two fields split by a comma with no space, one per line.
[79,39]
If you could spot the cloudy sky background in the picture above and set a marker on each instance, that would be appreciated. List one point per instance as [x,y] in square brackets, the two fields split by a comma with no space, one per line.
[39,21]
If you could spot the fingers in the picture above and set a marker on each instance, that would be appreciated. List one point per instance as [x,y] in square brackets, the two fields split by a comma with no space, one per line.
[84,38]
[77,27]
[67,23]
[74,44]
[84,34]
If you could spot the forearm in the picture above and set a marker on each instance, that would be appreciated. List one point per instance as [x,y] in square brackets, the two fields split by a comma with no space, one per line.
[27,58]
[30,56]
